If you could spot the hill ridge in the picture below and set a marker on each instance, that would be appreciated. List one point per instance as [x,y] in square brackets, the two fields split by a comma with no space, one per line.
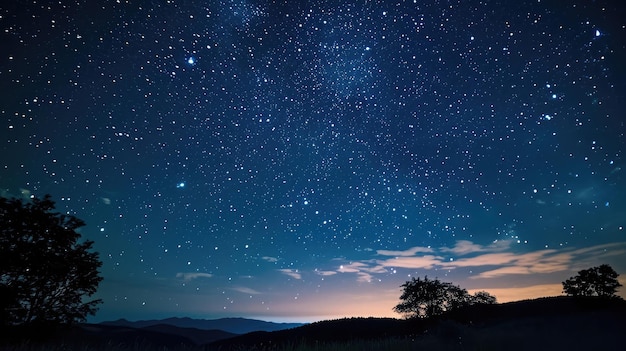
[235,325]
[559,315]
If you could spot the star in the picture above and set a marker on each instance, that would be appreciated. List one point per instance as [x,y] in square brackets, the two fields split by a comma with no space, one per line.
[323,137]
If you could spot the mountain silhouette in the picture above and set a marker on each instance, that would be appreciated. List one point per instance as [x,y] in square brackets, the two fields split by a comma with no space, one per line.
[230,325]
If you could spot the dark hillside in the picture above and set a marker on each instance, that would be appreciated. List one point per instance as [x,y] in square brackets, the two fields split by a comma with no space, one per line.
[555,323]
[197,336]
[324,332]
[547,323]
[561,306]
[339,330]
[84,336]
[97,334]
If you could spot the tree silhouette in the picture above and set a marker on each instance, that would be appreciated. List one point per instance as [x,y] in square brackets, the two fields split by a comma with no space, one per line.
[423,298]
[595,281]
[45,273]
[482,297]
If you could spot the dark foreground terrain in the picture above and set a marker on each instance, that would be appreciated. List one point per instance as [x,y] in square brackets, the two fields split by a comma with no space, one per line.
[558,323]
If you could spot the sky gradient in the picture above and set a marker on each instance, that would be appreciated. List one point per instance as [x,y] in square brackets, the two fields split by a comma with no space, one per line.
[300,160]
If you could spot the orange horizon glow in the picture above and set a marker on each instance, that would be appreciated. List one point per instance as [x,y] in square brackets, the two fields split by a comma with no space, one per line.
[381,306]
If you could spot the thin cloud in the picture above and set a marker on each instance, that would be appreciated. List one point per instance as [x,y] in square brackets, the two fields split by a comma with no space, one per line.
[353,267]
[269,259]
[364,266]
[488,261]
[363,271]
[410,252]
[464,247]
[600,248]
[193,275]
[247,291]
[504,271]
[363,277]
[293,273]
[325,273]
[416,262]
[506,258]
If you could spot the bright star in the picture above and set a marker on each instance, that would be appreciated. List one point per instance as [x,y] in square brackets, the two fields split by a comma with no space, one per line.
[191,60]
[180,185]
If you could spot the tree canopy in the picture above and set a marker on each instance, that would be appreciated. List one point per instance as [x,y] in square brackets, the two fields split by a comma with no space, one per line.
[422,298]
[595,281]
[45,272]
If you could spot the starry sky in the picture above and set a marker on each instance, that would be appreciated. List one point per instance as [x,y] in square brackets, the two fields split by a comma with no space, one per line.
[300,160]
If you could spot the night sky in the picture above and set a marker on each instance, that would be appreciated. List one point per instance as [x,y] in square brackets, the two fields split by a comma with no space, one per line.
[300,160]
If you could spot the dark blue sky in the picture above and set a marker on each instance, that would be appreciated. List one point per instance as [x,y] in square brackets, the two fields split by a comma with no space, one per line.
[302,159]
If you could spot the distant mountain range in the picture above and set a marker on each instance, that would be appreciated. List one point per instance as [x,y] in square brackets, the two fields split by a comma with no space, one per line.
[230,325]
[169,333]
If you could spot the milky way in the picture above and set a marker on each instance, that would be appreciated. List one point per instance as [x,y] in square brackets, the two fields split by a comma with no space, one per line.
[302,159]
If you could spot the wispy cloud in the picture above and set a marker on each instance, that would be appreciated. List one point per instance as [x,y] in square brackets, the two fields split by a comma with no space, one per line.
[544,261]
[325,273]
[193,275]
[463,247]
[291,272]
[269,259]
[245,290]
[488,261]
[363,266]
[363,271]
[424,262]
[353,267]
[410,252]
[609,249]
[364,277]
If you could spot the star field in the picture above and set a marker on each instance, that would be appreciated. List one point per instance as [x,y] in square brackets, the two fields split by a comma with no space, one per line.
[302,159]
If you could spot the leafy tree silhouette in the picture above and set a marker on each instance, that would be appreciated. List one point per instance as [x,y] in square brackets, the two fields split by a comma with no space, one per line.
[595,281]
[482,297]
[45,272]
[423,298]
